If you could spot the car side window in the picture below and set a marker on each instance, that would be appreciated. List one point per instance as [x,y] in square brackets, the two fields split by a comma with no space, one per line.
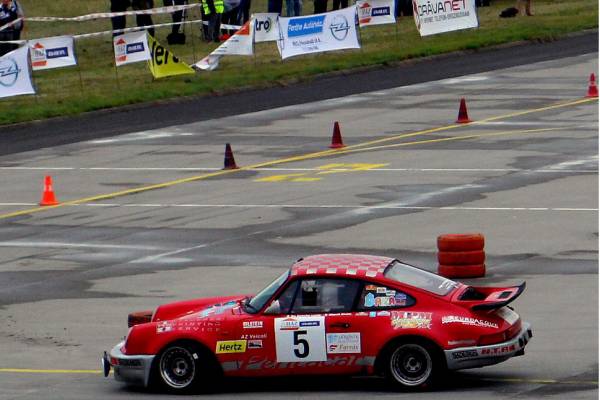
[377,297]
[282,304]
[321,295]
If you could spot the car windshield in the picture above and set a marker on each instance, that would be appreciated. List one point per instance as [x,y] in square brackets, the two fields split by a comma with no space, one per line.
[258,301]
[419,278]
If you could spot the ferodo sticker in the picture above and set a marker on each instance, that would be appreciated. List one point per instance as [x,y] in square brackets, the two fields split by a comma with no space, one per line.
[231,346]
[343,343]
[300,339]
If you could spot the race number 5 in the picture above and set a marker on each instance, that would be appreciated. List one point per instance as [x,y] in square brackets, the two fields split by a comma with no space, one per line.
[300,342]
[300,339]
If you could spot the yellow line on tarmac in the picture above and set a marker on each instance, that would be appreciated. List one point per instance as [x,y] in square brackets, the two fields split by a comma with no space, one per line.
[449,139]
[285,160]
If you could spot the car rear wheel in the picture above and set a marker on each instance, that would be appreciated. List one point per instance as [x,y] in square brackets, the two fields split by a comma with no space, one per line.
[411,365]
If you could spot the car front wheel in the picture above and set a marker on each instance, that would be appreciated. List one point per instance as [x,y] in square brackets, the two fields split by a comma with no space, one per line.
[411,366]
[178,368]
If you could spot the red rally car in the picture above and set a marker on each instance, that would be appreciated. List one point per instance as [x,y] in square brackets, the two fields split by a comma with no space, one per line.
[328,314]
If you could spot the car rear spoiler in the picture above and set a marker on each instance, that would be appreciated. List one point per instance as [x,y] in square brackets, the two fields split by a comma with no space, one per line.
[492,298]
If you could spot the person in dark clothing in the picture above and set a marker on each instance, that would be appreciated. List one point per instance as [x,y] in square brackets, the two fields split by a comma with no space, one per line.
[244,11]
[119,23]
[143,20]
[213,9]
[320,6]
[9,11]
[176,37]
[275,6]
[338,3]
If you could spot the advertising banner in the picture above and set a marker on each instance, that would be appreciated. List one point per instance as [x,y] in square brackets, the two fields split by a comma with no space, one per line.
[240,43]
[163,63]
[15,74]
[266,27]
[433,17]
[52,52]
[376,12]
[131,47]
[318,33]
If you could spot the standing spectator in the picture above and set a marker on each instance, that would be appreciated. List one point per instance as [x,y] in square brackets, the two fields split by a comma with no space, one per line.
[519,7]
[119,23]
[275,6]
[10,11]
[244,11]
[230,17]
[141,19]
[320,6]
[338,3]
[213,9]
[175,37]
[294,7]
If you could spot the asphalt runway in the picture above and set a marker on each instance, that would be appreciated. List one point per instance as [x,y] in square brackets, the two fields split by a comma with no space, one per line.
[150,218]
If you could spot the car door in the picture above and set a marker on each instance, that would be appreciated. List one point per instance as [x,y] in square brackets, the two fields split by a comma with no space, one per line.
[314,338]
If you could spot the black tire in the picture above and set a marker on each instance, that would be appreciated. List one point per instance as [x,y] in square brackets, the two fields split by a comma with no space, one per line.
[412,365]
[184,367]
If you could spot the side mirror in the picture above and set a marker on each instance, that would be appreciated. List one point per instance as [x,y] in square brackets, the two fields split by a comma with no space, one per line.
[273,308]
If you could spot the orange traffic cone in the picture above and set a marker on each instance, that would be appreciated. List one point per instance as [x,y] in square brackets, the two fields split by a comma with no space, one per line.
[592,89]
[336,139]
[48,198]
[463,116]
[229,160]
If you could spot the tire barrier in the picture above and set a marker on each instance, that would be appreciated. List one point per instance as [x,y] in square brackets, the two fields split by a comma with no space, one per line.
[461,255]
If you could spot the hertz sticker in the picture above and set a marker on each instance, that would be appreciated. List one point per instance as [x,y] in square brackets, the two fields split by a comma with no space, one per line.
[231,346]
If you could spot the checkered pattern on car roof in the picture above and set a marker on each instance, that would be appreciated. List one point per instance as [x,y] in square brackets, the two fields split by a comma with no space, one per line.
[342,264]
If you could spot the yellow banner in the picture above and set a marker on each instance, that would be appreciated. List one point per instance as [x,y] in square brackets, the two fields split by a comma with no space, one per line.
[163,63]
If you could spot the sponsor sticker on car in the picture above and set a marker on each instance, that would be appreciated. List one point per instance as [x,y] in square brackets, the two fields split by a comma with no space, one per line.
[252,324]
[345,343]
[231,346]
[411,320]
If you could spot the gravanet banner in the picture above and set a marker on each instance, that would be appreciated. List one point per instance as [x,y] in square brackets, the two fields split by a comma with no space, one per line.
[15,73]
[434,16]
[335,30]
[52,52]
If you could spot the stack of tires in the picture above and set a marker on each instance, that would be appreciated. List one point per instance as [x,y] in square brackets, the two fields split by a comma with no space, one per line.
[461,255]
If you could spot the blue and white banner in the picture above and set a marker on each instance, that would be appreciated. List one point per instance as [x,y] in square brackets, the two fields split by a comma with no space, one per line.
[15,73]
[52,52]
[433,16]
[376,12]
[266,27]
[317,33]
[131,48]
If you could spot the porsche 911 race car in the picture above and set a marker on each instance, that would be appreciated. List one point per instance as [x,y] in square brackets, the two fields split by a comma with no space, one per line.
[328,314]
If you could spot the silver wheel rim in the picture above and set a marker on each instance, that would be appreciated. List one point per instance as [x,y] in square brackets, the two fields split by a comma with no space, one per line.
[177,367]
[411,365]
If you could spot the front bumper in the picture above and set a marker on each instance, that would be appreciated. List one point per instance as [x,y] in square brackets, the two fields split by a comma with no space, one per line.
[480,356]
[134,370]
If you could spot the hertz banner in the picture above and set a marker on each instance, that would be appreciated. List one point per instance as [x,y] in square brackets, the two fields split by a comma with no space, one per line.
[164,63]
[317,33]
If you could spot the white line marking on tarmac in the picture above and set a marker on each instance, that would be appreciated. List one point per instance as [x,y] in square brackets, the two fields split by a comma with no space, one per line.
[142,169]
[357,207]
[73,245]
[153,258]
